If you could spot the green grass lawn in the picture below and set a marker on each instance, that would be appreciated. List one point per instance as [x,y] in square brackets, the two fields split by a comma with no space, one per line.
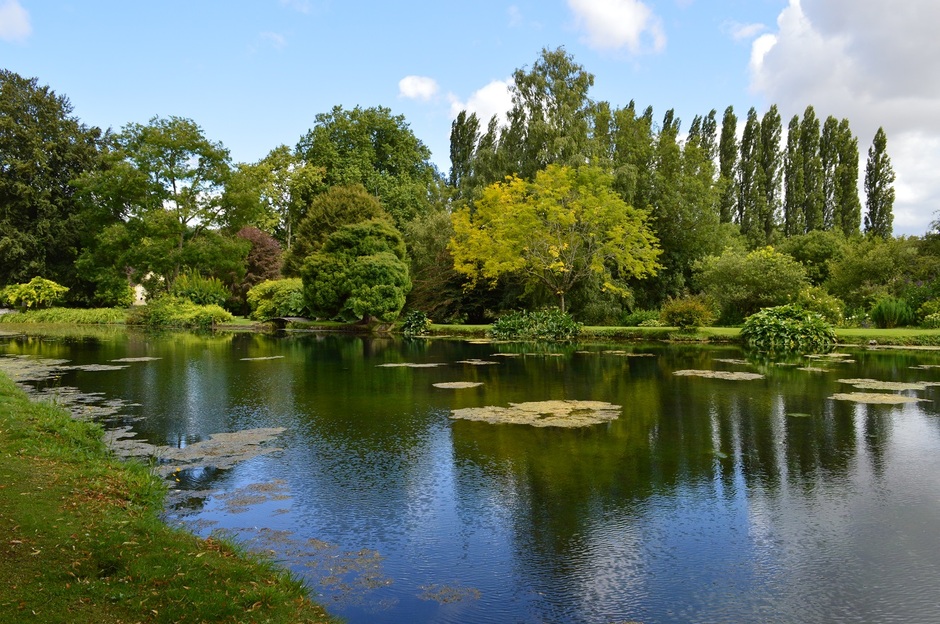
[81,540]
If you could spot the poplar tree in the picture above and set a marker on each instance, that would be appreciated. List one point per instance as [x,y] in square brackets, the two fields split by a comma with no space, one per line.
[879,188]
[848,213]
[751,198]
[771,165]
[829,161]
[727,162]
[464,136]
[794,222]
[812,171]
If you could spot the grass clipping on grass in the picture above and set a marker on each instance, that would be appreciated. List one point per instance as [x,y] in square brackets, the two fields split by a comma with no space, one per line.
[568,414]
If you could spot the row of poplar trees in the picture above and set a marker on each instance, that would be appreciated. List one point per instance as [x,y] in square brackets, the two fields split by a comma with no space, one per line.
[693,187]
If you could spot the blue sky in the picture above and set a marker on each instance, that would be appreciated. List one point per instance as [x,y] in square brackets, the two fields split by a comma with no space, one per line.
[255,74]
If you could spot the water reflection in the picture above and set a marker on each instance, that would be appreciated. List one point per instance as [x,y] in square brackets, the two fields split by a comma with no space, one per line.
[707,500]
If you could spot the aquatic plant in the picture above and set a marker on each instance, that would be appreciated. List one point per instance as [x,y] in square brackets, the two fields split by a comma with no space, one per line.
[552,324]
[788,328]
[416,323]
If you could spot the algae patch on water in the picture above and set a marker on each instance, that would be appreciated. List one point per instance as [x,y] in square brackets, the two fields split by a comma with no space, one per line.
[410,365]
[874,384]
[874,398]
[458,385]
[543,413]
[717,374]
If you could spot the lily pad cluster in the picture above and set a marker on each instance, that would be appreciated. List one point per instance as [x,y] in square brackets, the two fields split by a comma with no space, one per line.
[565,413]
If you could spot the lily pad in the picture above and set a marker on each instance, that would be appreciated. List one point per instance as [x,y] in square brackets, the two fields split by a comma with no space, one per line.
[874,398]
[874,384]
[136,359]
[732,361]
[458,385]
[264,357]
[715,374]
[410,365]
[799,415]
[476,362]
[813,369]
[543,413]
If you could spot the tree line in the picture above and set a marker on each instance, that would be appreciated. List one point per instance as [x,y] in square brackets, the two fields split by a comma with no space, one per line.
[598,209]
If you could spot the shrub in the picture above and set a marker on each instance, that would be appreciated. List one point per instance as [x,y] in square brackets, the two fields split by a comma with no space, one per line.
[200,290]
[36,294]
[931,321]
[815,299]
[273,298]
[889,312]
[788,328]
[552,324]
[928,308]
[416,323]
[687,313]
[637,318]
[741,284]
[170,311]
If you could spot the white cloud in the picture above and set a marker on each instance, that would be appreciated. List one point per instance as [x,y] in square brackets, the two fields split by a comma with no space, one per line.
[275,40]
[616,24]
[301,6]
[515,16]
[417,88]
[14,22]
[493,99]
[875,63]
[741,32]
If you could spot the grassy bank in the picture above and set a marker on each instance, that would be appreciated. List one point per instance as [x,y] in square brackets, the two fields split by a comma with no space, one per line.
[81,539]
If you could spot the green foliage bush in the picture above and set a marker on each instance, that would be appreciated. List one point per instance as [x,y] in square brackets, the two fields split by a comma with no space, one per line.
[816,299]
[788,328]
[741,284]
[36,294]
[687,313]
[551,324]
[416,323]
[170,311]
[273,298]
[70,316]
[931,321]
[199,289]
[928,308]
[637,318]
[890,312]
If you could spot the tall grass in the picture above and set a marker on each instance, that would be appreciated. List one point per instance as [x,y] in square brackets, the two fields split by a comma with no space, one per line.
[68,316]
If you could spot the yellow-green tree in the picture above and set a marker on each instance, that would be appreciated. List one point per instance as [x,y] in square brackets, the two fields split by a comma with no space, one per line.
[557,231]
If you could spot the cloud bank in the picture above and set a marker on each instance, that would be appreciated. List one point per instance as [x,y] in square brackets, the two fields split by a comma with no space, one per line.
[618,24]
[875,63]
[14,22]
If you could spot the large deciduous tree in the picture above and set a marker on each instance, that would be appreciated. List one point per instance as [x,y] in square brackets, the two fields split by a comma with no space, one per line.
[879,188]
[374,148]
[43,147]
[273,193]
[360,273]
[555,232]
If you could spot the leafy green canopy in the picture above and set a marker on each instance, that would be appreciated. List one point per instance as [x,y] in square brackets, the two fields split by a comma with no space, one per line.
[361,272]
[742,284]
[42,149]
[561,229]
[372,147]
[328,212]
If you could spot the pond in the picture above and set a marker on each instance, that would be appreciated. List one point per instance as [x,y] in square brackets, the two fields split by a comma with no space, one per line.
[785,495]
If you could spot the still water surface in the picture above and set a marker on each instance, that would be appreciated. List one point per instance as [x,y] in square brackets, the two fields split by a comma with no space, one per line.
[707,500]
